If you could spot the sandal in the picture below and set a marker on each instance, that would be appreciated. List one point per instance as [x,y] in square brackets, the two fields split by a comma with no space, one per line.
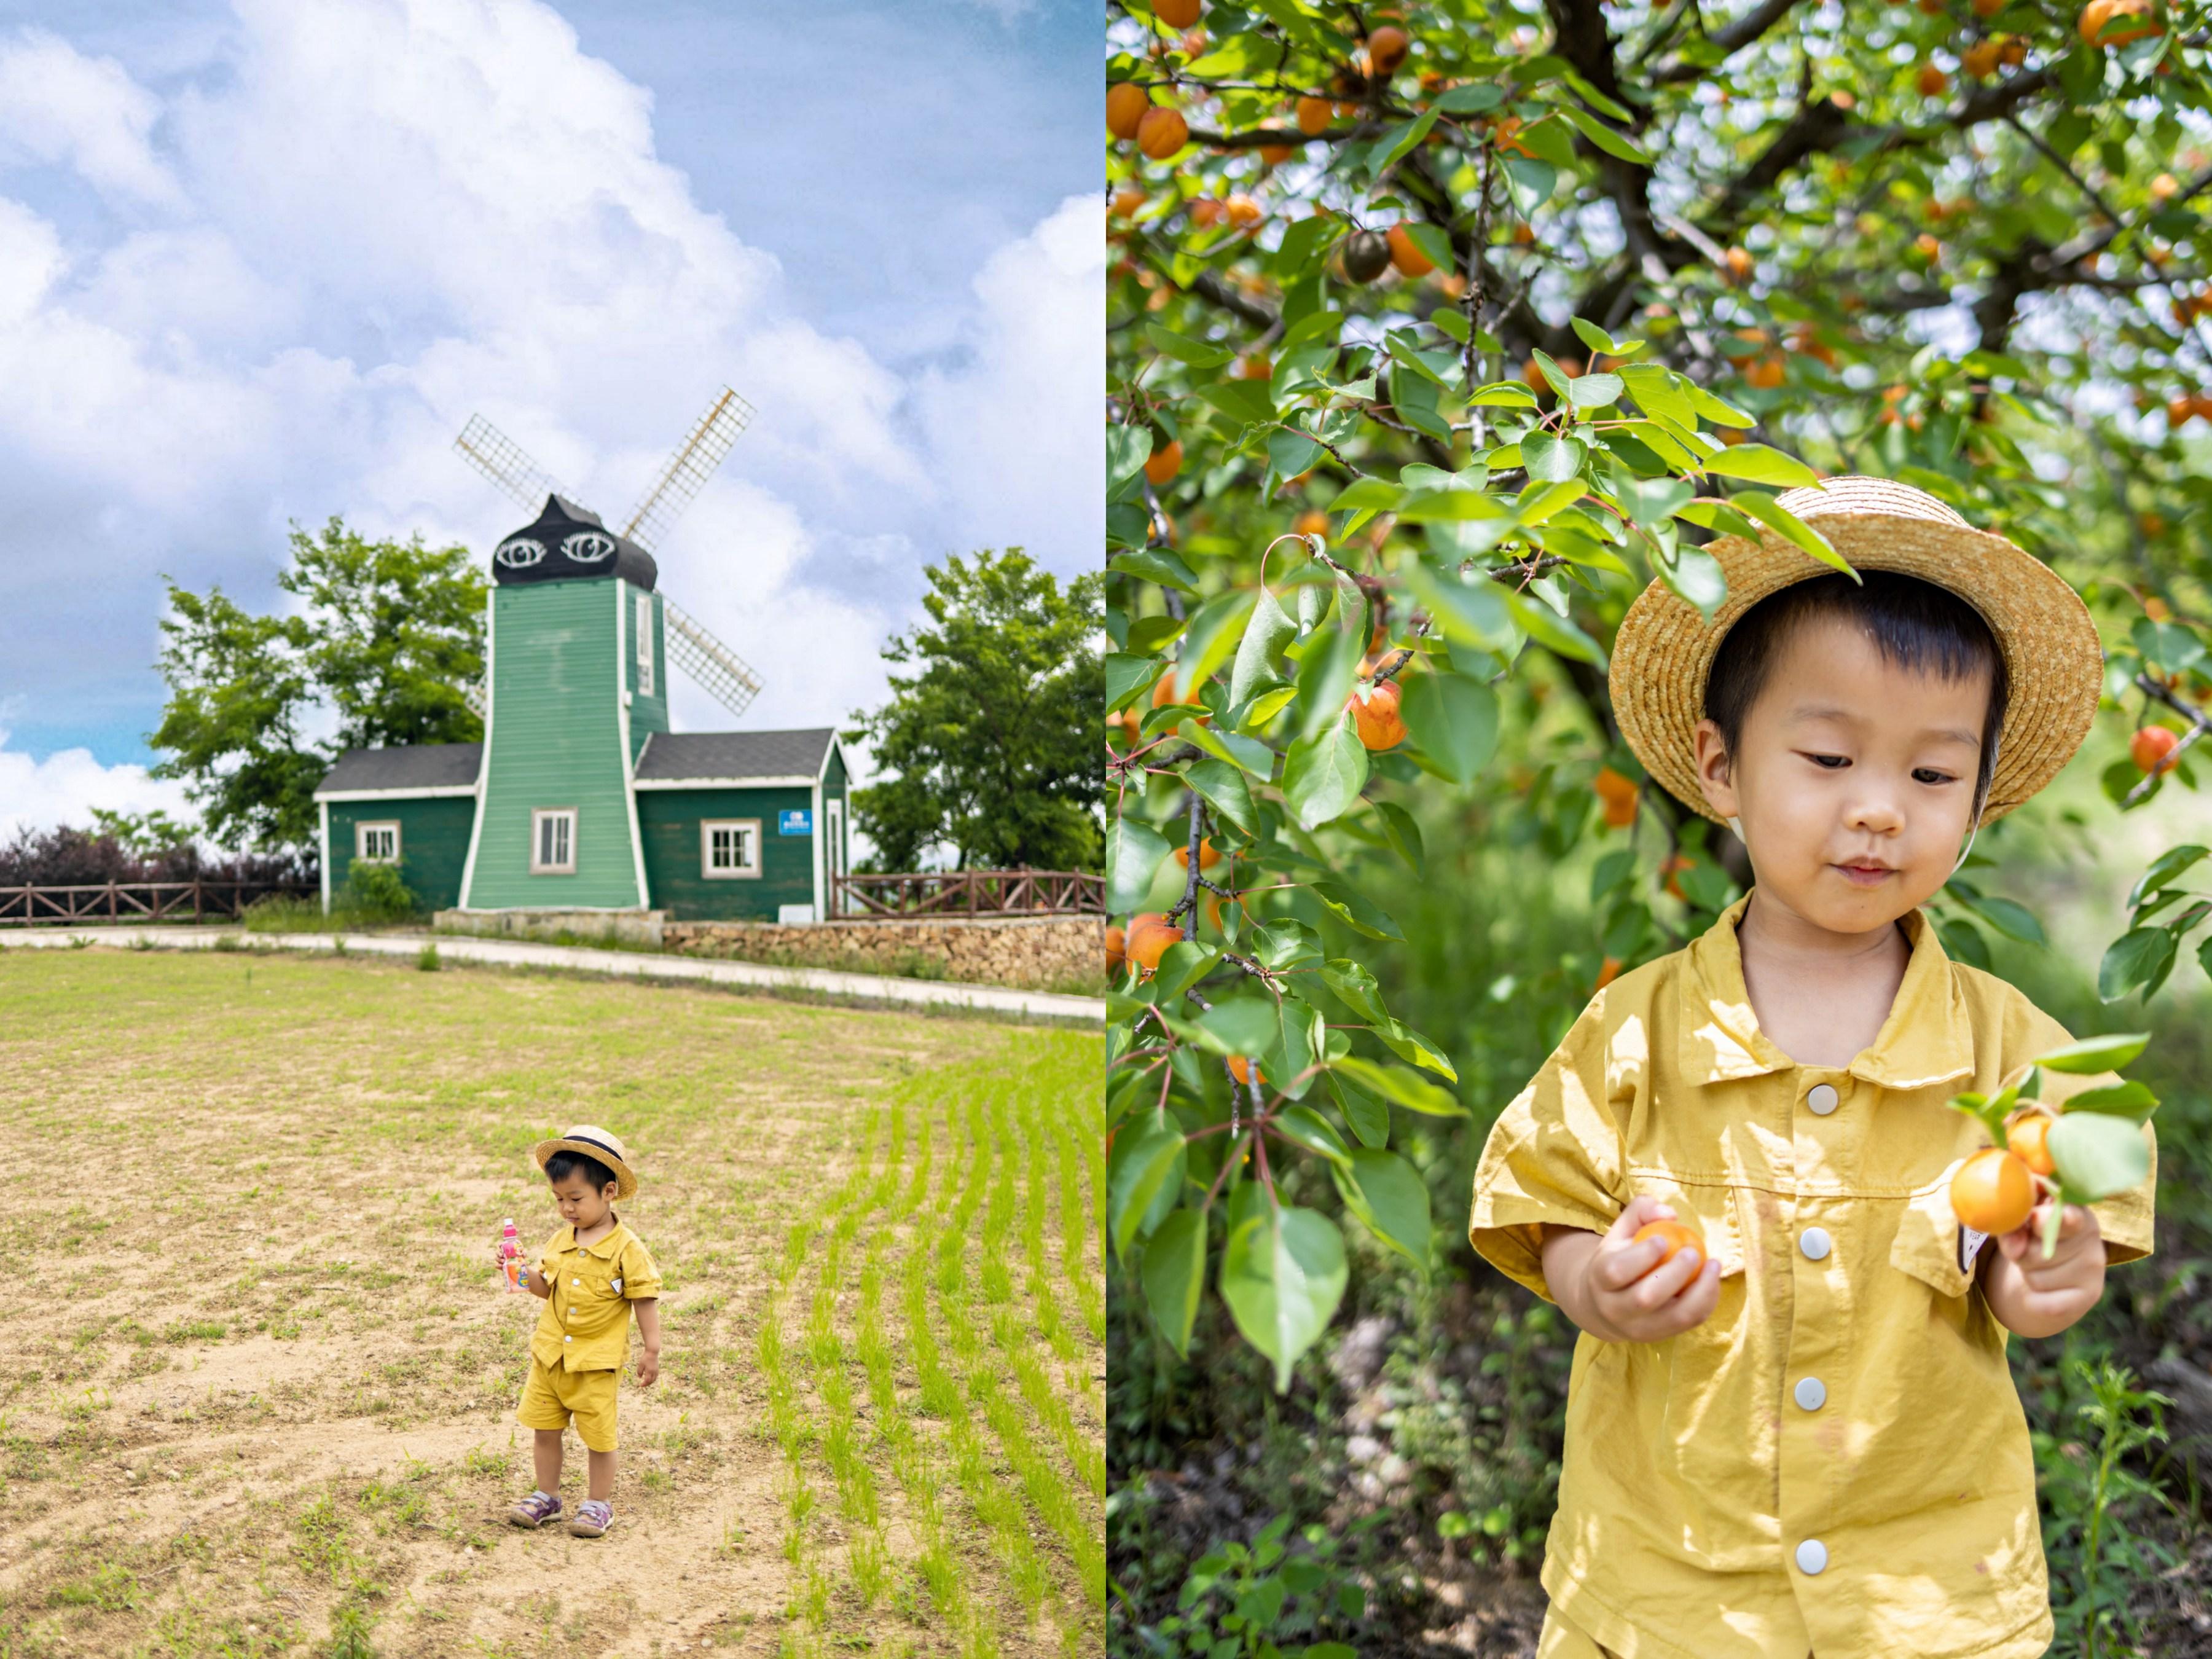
[534,1510]
[593,1516]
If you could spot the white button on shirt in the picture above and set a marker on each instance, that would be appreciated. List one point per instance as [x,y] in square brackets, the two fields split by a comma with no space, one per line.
[1814,1244]
[1812,1556]
[1821,1097]
[1811,1392]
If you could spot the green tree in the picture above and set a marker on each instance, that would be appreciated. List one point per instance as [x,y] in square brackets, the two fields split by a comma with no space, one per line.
[1435,332]
[990,744]
[386,634]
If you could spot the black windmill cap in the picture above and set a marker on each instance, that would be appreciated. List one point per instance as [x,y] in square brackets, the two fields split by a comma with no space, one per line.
[568,542]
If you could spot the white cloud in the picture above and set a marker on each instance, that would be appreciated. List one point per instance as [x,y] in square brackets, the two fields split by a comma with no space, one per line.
[59,106]
[1015,431]
[379,216]
[64,787]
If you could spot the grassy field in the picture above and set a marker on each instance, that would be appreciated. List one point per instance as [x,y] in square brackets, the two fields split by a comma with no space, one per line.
[259,1393]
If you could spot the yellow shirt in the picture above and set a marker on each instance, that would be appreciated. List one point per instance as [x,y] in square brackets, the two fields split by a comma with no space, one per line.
[1836,1460]
[585,1325]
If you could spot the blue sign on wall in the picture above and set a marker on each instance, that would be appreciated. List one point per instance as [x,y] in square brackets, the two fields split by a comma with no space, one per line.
[795,820]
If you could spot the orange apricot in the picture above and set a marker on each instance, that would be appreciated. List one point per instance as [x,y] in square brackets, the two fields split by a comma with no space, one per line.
[1993,1192]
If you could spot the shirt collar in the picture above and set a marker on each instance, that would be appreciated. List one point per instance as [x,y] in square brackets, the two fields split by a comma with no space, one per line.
[566,1239]
[1926,1040]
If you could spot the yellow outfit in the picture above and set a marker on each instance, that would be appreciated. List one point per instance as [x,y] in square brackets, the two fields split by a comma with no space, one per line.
[1836,1460]
[582,1337]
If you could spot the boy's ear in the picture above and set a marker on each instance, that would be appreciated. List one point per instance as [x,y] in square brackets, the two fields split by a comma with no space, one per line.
[1716,771]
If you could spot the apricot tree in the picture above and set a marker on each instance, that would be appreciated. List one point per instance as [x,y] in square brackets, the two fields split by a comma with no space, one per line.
[1435,331]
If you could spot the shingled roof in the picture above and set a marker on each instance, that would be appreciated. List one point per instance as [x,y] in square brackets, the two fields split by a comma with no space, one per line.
[671,757]
[405,765]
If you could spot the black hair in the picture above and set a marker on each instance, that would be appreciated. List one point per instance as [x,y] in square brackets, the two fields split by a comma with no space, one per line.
[564,1164]
[1915,624]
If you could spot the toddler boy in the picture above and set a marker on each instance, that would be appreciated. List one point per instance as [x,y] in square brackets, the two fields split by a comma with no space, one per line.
[591,1273]
[1808,1441]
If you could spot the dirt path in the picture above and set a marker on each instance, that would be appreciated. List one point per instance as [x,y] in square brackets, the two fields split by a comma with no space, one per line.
[260,1392]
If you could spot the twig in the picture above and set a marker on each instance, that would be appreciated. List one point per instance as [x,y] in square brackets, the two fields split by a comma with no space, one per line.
[2198,725]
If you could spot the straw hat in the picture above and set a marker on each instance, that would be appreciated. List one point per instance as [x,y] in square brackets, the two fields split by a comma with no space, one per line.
[592,1141]
[2053,664]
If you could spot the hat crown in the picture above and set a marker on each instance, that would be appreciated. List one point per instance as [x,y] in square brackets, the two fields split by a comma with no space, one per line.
[604,1138]
[1855,493]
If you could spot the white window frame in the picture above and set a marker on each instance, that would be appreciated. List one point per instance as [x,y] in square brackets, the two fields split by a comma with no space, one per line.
[645,645]
[361,832]
[706,870]
[539,815]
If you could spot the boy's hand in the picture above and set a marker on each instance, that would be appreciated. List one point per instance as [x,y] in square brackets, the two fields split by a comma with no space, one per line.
[649,1367]
[1615,1289]
[2033,1298]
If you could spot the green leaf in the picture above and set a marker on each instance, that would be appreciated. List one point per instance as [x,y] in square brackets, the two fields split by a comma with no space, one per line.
[1302,1126]
[1362,492]
[1156,564]
[1289,453]
[1369,1117]
[1264,636]
[2096,1054]
[1225,790]
[1653,388]
[1408,136]
[1214,632]
[1282,1276]
[1549,628]
[1324,773]
[2163,869]
[2136,959]
[1612,142]
[2098,1155]
[2013,921]
[1198,354]
[1592,335]
[1127,677]
[1474,97]
[2130,1100]
[1175,1275]
[1762,464]
[1454,721]
[1697,577]
[1357,911]
[1247,753]
[2167,645]
[1408,1089]
[1127,449]
[1133,852]
[1775,516]
[1550,459]
[1593,392]
[1331,664]
[1248,1025]
[1715,408]
[1143,1164]
[1388,1196]
[1403,836]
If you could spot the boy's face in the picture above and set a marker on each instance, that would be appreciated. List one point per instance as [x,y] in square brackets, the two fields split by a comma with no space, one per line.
[1854,781]
[582,1205]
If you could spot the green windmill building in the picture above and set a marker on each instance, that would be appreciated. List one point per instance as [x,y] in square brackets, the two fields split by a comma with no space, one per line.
[581,797]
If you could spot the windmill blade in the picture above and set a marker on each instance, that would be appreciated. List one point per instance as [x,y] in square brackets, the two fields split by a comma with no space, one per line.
[727,676]
[499,458]
[689,468]
[472,693]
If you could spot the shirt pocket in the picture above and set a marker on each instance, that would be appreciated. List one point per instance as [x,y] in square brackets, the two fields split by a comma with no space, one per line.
[1926,1246]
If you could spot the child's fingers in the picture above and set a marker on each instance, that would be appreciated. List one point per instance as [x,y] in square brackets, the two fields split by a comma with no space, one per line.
[1618,1265]
[1667,1281]
[1695,1305]
[1641,1209]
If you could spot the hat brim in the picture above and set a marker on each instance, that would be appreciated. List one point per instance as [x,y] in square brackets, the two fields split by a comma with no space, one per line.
[625,1178]
[2054,665]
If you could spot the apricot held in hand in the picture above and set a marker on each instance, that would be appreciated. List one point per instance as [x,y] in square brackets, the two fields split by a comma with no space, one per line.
[2029,1140]
[1675,1235]
[1993,1192]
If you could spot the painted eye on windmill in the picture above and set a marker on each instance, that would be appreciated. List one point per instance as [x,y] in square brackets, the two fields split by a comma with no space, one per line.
[588,546]
[519,552]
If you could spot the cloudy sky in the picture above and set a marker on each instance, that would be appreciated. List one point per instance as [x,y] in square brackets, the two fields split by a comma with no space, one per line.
[260,260]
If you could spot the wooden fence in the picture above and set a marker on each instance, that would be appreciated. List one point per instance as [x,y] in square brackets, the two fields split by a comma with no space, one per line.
[138,901]
[959,893]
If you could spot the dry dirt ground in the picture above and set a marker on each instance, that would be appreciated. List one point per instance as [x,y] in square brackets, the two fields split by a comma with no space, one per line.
[258,1387]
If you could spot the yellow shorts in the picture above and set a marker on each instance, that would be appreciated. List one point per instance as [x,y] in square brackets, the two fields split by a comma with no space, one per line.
[552,1396]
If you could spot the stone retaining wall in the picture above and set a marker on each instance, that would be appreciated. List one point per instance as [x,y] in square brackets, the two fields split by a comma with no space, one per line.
[643,928]
[1046,953]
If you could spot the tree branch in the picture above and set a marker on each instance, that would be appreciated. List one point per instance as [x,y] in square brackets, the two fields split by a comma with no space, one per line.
[1727,41]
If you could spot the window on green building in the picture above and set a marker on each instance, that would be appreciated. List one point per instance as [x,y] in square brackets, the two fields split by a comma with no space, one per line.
[376,843]
[553,841]
[729,847]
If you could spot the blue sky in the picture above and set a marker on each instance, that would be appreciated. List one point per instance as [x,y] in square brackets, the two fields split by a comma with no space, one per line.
[260,260]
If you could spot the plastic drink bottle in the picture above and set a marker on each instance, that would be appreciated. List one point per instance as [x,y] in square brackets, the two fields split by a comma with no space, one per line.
[510,1255]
